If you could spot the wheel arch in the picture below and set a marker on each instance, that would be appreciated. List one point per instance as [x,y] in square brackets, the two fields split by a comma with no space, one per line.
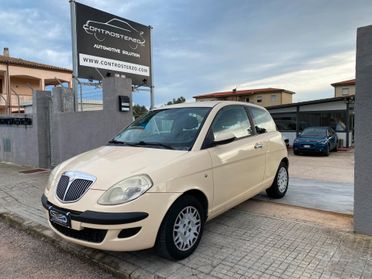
[285,160]
[201,197]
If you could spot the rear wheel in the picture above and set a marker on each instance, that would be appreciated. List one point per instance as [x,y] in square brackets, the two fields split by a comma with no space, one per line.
[181,229]
[327,151]
[280,185]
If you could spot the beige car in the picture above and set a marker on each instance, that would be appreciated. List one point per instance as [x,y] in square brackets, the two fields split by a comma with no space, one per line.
[160,179]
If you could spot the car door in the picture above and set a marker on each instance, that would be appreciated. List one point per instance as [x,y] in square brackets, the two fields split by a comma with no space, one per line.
[238,166]
[271,139]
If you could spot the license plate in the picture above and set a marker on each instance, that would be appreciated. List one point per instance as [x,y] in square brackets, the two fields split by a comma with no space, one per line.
[307,146]
[59,217]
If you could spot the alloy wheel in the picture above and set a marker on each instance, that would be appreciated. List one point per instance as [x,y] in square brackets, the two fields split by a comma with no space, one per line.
[186,228]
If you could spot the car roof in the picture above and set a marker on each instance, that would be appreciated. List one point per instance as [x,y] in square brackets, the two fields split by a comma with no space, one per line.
[207,104]
[318,127]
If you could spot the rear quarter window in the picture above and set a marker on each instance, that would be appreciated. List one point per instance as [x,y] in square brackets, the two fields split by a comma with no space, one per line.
[262,120]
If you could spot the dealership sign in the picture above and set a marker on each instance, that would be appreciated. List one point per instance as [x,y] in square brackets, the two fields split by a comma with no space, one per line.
[107,45]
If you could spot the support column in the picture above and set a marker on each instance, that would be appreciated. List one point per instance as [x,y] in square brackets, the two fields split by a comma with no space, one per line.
[363,133]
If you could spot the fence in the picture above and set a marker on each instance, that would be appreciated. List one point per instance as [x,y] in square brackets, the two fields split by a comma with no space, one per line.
[88,97]
[54,131]
[17,104]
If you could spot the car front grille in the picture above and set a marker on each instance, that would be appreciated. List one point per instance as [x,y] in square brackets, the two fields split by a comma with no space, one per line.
[62,186]
[86,234]
[72,186]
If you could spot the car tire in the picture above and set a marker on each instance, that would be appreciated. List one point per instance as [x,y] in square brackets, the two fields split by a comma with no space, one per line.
[181,229]
[280,185]
[326,153]
[296,152]
[336,148]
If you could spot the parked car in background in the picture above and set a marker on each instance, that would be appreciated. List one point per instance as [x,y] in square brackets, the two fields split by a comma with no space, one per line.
[317,140]
[159,180]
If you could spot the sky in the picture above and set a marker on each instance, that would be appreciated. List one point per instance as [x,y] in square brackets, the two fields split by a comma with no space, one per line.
[208,46]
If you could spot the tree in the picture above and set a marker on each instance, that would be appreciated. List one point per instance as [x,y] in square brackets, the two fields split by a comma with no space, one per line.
[177,101]
[139,110]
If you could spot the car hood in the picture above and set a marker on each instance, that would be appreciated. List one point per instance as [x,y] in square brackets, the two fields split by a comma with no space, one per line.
[111,164]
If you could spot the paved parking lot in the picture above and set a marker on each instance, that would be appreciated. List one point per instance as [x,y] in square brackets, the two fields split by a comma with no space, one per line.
[337,167]
[242,243]
[319,182]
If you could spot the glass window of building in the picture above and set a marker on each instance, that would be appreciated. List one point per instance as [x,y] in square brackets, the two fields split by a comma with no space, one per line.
[333,119]
[285,121]
[345,91]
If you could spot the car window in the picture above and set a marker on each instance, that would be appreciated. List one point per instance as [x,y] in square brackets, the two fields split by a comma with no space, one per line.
[231,120]
[262,120]
[314,132]
[177,128]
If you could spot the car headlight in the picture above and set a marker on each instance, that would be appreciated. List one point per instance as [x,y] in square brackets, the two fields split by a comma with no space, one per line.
[126,190]
[324,141]
[52,178]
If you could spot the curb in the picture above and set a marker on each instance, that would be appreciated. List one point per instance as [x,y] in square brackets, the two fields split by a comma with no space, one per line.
[111,264]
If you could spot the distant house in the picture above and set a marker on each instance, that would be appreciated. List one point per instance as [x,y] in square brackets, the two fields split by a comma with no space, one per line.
[263,96]
[18,78]
[344,88]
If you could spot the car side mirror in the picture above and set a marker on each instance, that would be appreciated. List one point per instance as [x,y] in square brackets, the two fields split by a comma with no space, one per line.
[260,130]
[223,138]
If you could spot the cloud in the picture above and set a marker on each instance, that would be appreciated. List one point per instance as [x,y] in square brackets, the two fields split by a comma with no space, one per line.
[206,46]
[316,76]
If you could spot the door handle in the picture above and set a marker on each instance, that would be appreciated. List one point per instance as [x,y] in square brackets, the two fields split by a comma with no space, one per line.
[258,146]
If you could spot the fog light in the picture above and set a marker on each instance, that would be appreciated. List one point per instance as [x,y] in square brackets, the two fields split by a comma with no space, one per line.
[125,233]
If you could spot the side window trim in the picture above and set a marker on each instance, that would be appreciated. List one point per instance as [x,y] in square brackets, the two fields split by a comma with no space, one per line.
[254,124]
[250,117]
[207,144]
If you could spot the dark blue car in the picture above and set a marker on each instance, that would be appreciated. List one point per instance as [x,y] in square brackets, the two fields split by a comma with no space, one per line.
[316,140]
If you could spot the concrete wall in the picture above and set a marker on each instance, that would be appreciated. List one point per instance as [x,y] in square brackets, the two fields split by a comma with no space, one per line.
[363,133]
[287,98]
[29,145]
[339,89]
[76,132]
[58,132]
[23,144]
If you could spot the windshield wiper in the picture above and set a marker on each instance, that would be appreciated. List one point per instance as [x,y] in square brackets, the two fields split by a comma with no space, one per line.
[114,141]
[142,143]
[120,142]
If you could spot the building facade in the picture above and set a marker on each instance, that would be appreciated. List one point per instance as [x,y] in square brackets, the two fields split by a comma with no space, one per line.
[344,88]
[264,96]
[18,79]
[337,113]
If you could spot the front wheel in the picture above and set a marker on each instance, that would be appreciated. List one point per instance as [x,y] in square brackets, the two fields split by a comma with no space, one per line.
[181,229]
[327,151]
[280,185]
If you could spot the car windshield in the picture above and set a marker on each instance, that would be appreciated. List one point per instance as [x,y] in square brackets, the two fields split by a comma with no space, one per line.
[175,128]
[314,132]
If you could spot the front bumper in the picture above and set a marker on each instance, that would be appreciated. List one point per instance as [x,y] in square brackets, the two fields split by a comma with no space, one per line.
[310,148]
[121,229]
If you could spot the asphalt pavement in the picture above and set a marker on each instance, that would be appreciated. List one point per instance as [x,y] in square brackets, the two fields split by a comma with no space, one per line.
[317,194]
[24,256]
